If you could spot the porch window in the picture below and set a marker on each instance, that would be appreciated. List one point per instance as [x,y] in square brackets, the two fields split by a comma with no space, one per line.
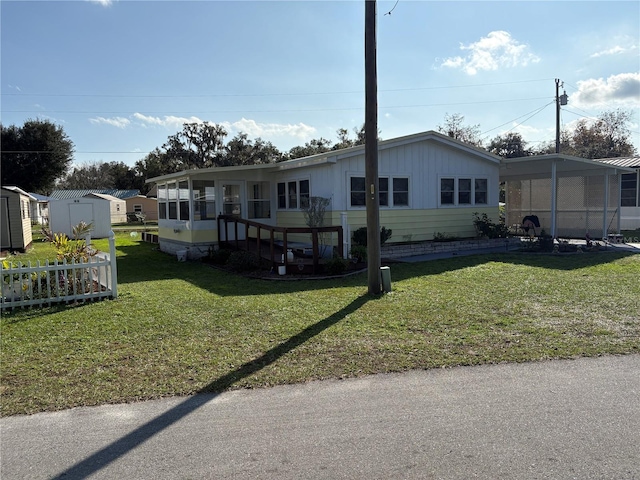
[480,191]
[447,190]
[183,197]
[629,190]
[400,192]
[204,200]
[259,201]
[172,196]
[464,191]
[162,202]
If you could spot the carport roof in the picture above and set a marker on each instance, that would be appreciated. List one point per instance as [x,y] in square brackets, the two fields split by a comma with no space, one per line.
[540,166]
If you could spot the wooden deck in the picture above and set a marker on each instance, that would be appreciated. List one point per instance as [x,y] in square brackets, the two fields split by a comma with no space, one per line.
[307,257]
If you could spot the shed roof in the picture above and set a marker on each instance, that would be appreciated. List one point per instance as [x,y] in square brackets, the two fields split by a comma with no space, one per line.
[18,190]
[66,194]
[629,162]
[539,166]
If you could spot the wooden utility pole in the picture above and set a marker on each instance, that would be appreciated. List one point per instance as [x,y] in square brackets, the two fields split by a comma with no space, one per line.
[557,115]
[371,148]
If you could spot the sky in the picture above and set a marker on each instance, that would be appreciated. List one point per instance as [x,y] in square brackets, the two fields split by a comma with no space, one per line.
[120,77]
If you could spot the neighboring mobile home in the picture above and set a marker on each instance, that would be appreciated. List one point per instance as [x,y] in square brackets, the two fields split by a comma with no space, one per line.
[144,205]
[15,219]
[39,209]
[429,184]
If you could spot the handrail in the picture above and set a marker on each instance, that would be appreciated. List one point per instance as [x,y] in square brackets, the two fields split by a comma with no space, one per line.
[314,231]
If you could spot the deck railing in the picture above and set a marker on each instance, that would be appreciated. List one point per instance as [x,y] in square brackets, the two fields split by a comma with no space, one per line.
[315,232]
[57,282]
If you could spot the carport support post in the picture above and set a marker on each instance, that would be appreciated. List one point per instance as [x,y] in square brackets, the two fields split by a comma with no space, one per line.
[554,198]
[605,206]
[114,268]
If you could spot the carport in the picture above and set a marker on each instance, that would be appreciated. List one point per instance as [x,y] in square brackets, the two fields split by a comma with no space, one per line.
[571,196]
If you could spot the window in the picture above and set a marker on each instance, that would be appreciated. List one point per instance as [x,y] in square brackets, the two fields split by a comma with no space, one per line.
[400,192]
[304,193]
[398,197]
[293,194]
[629,190]
[358,194]
[480,191]
[183,197]
[292,188]
[383,191]
[259,202]
[204,200]
[282,195]
[162,202]
[447,188]
[137,209]
[463,191]
[172,198]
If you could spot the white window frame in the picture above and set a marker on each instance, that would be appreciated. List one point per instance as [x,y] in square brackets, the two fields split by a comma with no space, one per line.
[288,196]
[456,190]
[390,191]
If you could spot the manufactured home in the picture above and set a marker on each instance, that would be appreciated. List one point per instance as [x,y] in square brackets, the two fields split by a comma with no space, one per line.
[429,185]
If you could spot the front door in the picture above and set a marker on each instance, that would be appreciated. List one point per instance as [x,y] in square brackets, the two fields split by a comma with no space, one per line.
[233,205]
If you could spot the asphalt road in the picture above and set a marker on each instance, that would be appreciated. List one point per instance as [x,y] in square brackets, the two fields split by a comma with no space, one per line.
[575,419]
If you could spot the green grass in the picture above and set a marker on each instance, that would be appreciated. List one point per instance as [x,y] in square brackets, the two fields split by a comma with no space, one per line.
[181,328]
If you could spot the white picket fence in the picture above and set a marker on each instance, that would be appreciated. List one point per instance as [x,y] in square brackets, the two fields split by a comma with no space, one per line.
[49,283]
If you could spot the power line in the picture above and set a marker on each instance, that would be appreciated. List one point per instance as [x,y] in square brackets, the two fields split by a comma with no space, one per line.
[533,112]
[285,94]
[271,111]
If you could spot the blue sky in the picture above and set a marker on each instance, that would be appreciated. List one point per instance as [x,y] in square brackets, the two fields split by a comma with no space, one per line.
[121,76]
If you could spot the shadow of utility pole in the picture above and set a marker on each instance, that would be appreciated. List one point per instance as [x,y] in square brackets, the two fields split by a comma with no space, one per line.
[122,446]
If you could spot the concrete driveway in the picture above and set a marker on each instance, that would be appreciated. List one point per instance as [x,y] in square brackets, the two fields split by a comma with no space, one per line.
[546,420]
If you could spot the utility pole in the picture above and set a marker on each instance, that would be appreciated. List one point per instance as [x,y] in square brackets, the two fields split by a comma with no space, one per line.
[371,148]
[560,100]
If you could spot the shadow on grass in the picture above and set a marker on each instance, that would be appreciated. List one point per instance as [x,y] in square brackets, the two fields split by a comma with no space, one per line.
[122,446]
[141,263]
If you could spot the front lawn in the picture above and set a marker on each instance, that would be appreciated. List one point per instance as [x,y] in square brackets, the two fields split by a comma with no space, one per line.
[181,328]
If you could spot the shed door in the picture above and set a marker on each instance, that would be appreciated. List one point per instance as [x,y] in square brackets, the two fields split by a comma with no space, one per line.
[80,212]
[4,228]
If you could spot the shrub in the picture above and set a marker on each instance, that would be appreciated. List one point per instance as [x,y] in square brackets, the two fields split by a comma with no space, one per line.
[359,236]
[359,252]
[336,265]
[444,237]
[219,256]
[485,228]
[242,261]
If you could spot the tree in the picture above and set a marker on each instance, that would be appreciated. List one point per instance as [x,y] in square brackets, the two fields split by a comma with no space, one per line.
[454,127]
[605,137]
[509,145]
[242,151]
[312,147]
[154,164]
[35,155]
[198,145]
[100,175]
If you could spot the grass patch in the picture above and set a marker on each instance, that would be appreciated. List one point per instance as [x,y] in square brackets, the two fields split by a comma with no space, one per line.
[182,328]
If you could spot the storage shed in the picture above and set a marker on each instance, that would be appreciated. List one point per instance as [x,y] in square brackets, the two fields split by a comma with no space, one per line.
[66,214]
[15,221]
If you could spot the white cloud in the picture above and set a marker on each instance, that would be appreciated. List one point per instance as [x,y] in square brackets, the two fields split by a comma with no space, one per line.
[119,122]
[268,130]
[623,89]
[166,121]
[497,49]
[104,3]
